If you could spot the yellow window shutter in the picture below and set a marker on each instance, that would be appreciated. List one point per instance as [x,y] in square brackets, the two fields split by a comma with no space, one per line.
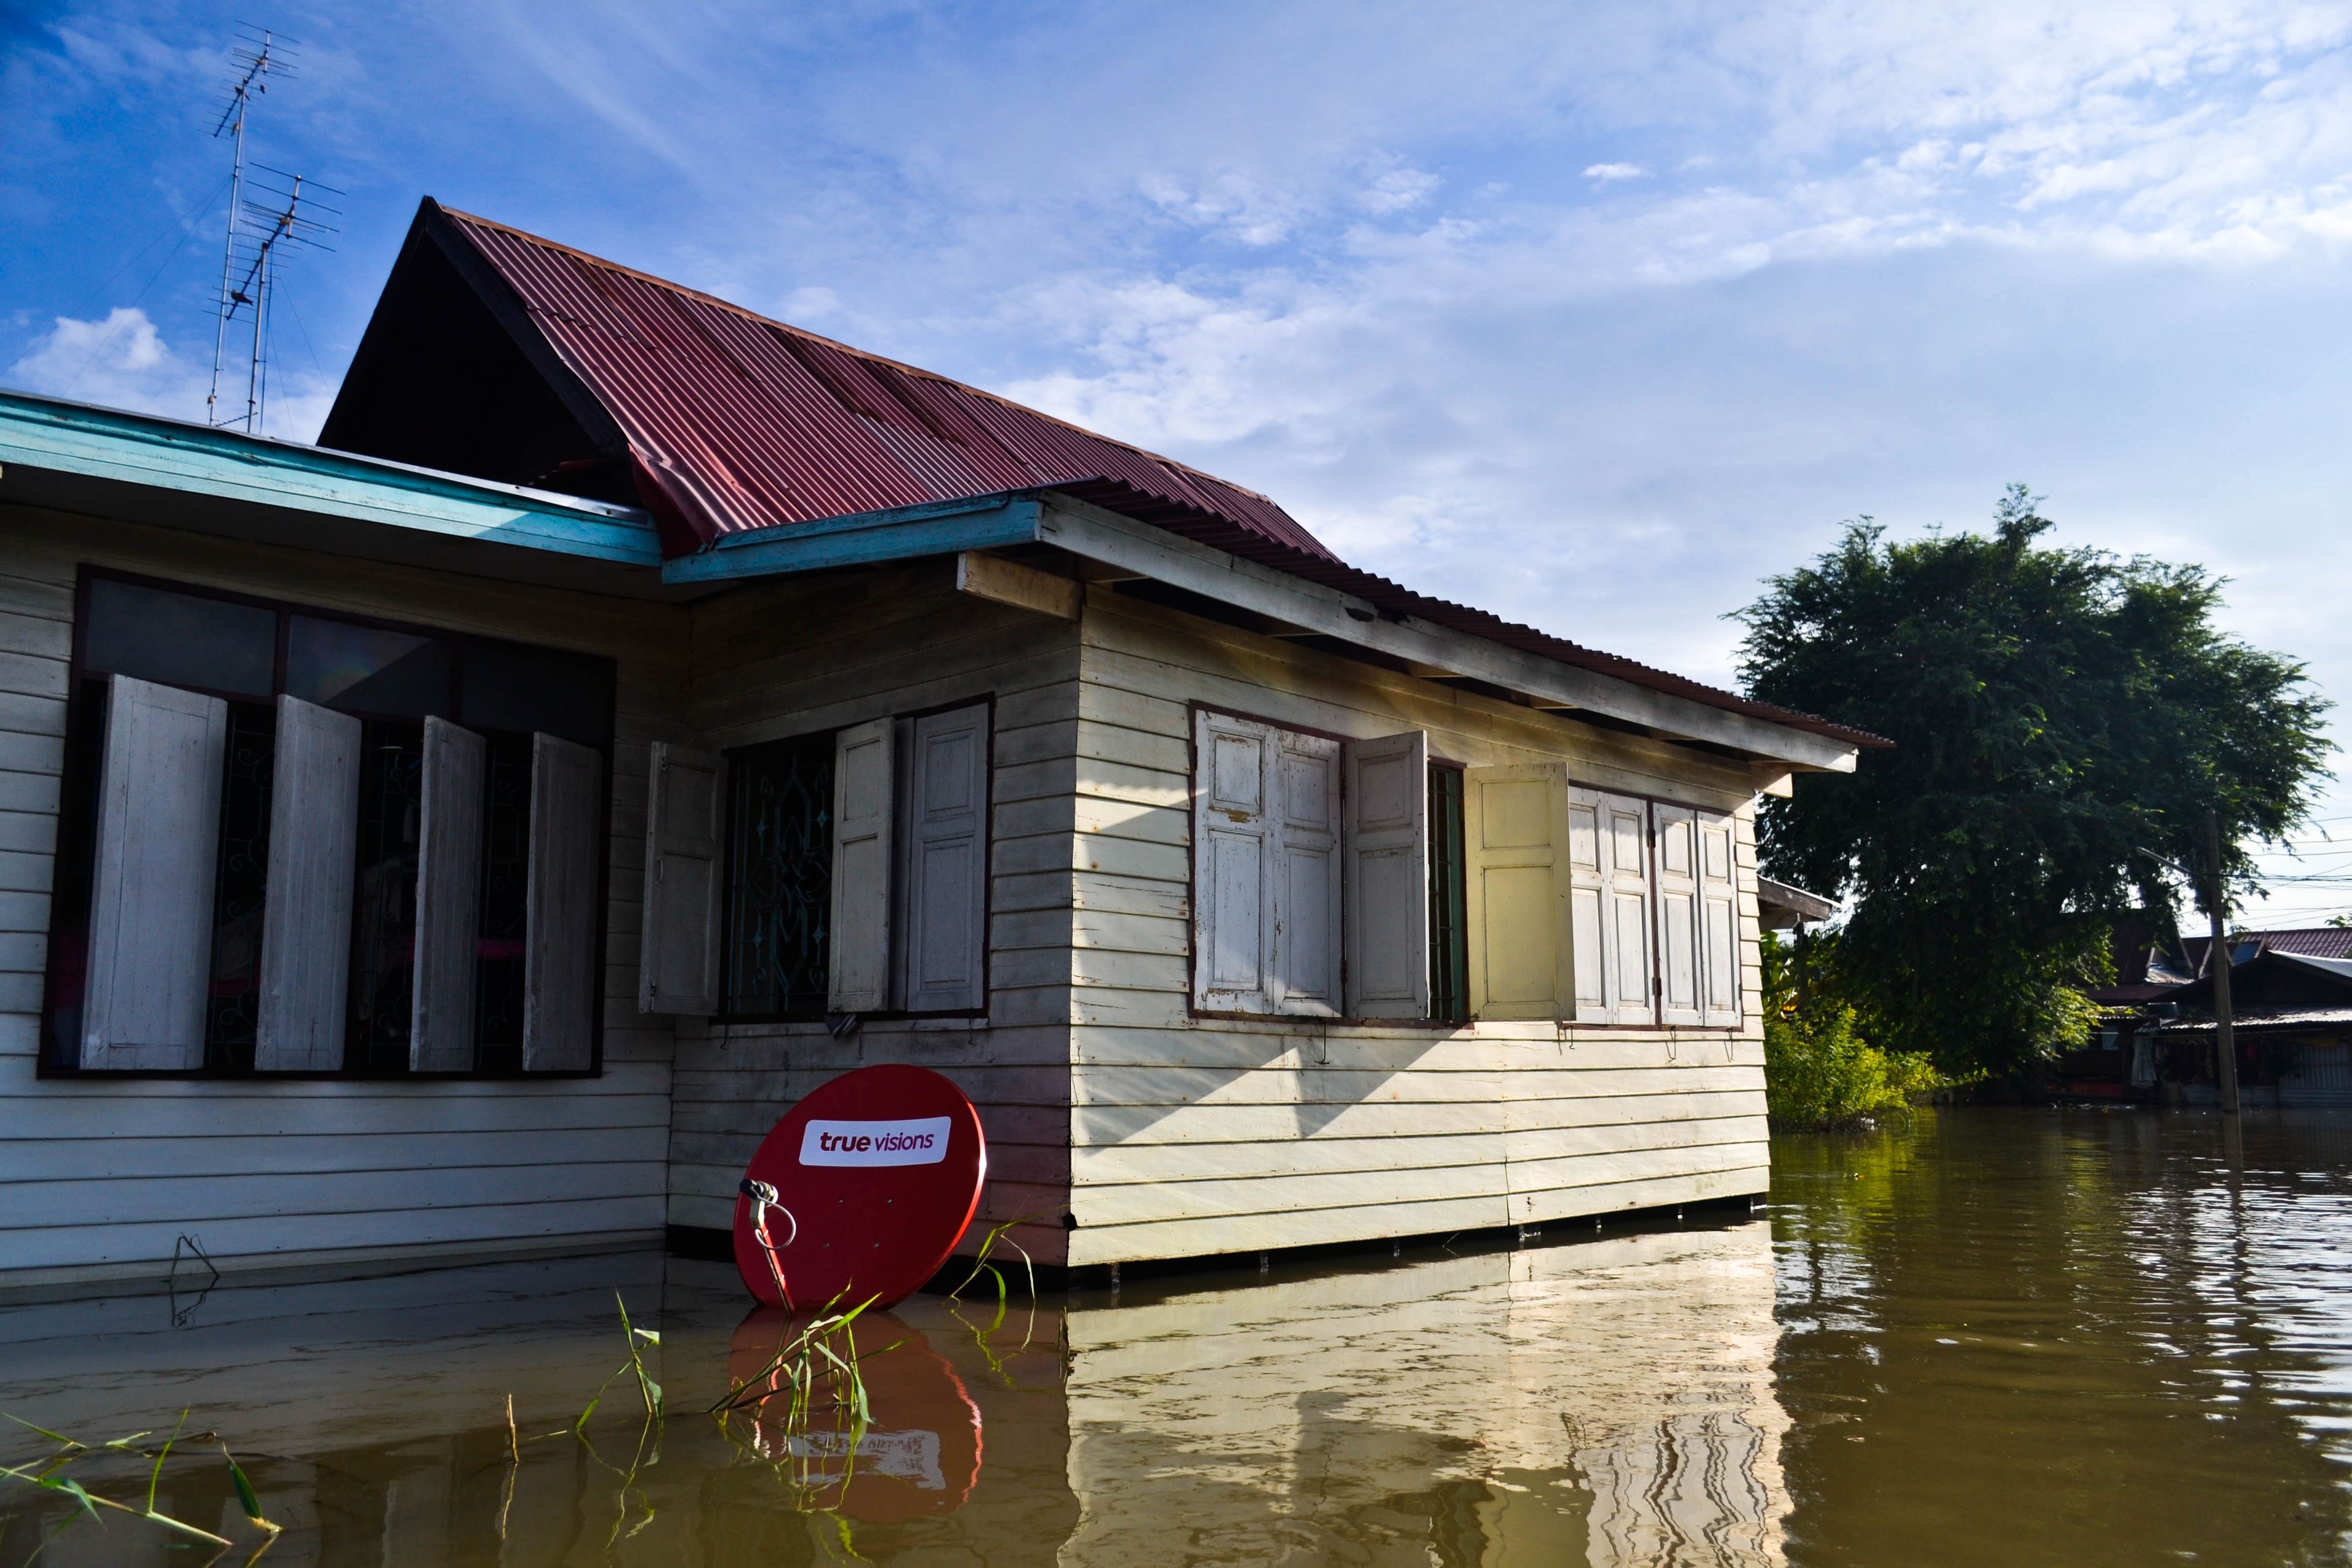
[1521,929]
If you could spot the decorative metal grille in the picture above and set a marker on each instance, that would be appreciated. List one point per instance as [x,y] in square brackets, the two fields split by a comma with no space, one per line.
[239,886]
[506,882]
[1449,945]
[779,877]
[384,944]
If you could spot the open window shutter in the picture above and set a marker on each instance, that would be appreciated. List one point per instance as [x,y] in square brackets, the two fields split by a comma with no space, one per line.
[151,932]
[946,908]
[1522,940]
[1718,891]
[1588,904]
[1386,914]
[559,966]
[1626,934]
[305,922]
[448,899]
[1678,914]
[1233,856]
[677,962]
[1307,895]
[863,777]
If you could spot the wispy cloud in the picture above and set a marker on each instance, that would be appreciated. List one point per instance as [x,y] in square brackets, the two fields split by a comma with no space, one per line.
[1608,171]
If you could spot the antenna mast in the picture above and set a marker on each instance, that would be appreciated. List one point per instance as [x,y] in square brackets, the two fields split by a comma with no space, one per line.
[255,55]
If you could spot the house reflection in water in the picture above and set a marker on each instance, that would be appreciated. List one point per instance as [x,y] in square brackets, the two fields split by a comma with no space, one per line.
[1608,1402]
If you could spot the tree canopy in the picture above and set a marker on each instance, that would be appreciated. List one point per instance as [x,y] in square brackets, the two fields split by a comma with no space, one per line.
[2063,720]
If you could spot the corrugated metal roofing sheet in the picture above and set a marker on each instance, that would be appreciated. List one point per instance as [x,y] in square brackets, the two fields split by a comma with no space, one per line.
[745,422]
[735,422]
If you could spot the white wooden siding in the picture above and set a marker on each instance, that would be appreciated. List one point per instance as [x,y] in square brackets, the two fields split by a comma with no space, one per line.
[98,1176]
[305,921]
[797,657]
[150,924]
[1193,1134]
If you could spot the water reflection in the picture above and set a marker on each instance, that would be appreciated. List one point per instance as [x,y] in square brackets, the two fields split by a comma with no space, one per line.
[1608,1402]
[1999,1338]
[2068,1337]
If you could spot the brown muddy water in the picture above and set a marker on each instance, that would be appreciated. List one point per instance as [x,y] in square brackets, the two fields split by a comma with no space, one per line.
[1993,1337]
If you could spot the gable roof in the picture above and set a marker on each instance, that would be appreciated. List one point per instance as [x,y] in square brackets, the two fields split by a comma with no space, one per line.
[730,423]
[738,422]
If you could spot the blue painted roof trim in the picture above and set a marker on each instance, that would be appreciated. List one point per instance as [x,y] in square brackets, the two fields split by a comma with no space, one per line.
[937,528]
[169,454]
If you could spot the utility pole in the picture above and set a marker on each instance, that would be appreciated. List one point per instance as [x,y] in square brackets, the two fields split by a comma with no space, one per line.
[2217,964]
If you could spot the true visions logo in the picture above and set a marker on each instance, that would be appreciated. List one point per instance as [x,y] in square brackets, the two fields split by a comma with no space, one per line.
[923,1142]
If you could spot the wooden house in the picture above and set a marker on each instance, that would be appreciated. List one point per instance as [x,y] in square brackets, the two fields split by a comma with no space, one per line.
[2290,1020]
[473,832]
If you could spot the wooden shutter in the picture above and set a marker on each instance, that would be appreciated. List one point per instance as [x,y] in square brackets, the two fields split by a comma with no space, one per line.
[305,922]
[151,930]
[863,777]
[1718,891]
[1386,912]
[560,929]
[677,958]
[944,918]
[448,899]
[1233,865]
[1678,914]
[1589,904]
[1522,939]
[1306,893]
[1626,944]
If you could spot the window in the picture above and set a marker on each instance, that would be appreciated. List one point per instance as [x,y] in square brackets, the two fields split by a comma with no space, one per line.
[856,872]
[1656,902]
[1449,944]
[1448,893]
[1310,871]
[292,841]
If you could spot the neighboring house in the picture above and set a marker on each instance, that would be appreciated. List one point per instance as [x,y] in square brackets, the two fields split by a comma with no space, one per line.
[2291,1018]
[472,837]
[2290,1007]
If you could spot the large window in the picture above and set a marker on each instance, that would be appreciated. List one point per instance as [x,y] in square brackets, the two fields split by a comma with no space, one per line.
[1356,878]
[854,873]
[293,841]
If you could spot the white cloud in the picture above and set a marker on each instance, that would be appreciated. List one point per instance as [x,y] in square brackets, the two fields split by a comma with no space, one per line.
[120,361]
[1608,171]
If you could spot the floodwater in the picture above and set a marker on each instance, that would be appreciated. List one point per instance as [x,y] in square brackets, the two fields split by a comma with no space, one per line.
[1993,1337]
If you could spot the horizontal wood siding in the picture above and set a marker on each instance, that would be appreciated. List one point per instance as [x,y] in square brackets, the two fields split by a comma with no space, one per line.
[801,655]
[98,1177]
[1193,1135]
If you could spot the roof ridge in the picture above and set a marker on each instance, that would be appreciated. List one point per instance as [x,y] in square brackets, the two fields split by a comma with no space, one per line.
[900,365]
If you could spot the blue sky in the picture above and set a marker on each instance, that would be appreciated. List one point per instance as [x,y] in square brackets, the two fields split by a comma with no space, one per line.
[1593,315]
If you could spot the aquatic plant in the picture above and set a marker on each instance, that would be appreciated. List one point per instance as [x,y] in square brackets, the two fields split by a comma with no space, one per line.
[50,1474]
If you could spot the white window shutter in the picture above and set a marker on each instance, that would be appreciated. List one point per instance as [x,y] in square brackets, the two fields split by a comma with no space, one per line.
[1306,893]
[560,924]
[1233,865]
[1718,889]
[1589,904]
[151,931]
[1522,938]
[677,960]
[305,922]
[864,774]
[448,899]
[1386,913]
[1626,933]
[1678,914]
[945,913]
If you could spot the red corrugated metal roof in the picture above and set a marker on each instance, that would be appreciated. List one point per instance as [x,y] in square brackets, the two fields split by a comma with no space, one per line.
[740,422]
[736,422]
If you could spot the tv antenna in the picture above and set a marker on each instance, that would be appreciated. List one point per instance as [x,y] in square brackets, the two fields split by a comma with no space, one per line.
[260,233]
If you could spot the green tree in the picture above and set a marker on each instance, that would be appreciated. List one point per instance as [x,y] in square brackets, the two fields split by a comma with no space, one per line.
[2062,719]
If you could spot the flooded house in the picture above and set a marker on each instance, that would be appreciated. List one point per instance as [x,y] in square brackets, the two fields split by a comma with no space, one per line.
[468,835]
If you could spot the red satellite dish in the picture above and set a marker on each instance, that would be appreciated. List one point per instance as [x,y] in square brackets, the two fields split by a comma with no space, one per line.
[875,1176]
[919,1455]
